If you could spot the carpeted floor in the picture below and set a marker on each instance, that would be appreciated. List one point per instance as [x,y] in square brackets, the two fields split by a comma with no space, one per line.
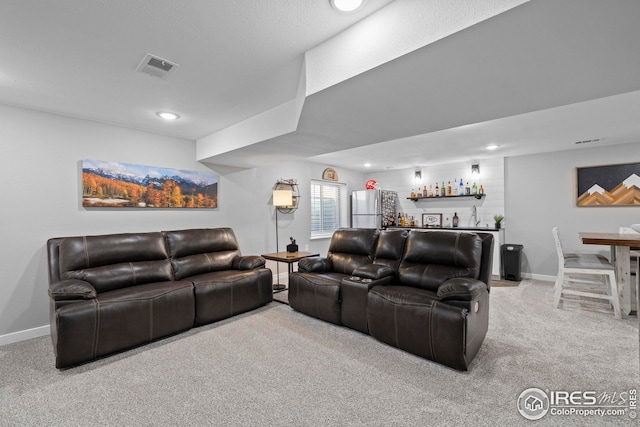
[282,296]
[275,366]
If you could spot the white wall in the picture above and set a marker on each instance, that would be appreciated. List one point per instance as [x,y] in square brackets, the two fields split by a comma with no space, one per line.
[40,168]
[541,194]
[249,201]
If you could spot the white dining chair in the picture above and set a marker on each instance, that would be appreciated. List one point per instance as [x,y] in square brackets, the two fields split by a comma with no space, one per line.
[635,260]
[598,266]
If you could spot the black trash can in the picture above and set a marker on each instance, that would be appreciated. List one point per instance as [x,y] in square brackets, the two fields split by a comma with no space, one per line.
[510,262]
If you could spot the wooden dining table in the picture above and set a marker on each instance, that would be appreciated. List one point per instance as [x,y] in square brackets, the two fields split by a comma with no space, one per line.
[621,244]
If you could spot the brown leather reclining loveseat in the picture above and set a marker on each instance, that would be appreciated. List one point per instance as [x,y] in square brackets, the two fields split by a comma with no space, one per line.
[112,292]
[424,292]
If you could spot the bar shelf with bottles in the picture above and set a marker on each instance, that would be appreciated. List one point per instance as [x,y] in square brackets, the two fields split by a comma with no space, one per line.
[449,191]
[415,199]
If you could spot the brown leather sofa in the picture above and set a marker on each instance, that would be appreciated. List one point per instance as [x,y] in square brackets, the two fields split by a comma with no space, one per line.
[113,292]
[424,292]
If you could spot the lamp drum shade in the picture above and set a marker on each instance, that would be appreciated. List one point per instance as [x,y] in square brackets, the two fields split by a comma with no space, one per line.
[282,197]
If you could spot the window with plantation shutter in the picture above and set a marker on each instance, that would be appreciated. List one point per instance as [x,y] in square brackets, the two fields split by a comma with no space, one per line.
[328,208]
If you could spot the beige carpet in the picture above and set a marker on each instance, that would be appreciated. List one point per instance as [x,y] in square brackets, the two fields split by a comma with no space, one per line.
[282,297]
[277,367]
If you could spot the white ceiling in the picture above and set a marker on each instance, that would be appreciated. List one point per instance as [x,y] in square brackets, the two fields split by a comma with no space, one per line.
[237,58]
[534,78]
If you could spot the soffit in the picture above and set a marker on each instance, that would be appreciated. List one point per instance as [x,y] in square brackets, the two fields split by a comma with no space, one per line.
[538,56]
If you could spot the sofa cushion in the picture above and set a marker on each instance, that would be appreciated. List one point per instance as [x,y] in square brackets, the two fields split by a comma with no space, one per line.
[352,248]
[222,294]
[71,290]
[315,265]
[248,262]
[316,294]
[117,276]
[461,289]
[431,258]
[121,319]
[197,241]
[374,271]
[78,253]
[115,261]
[414,320]
[390,248]
[199,251]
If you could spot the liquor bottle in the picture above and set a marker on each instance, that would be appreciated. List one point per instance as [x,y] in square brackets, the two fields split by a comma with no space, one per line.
[399,221]
[431,190]
[449,188]
[413,194]
[467,189]
[454,187]
[481,190]
[424,191]
[437,190]
[442,190]
[474,189]
[455,219]
[461,188]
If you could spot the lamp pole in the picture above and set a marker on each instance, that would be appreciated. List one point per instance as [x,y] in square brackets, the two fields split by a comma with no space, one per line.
[280,198]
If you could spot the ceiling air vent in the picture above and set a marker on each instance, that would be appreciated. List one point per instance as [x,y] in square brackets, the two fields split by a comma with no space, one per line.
[588,141]
[156,66]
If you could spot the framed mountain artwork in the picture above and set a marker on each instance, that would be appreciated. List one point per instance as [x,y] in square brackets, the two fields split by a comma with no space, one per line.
[125,185]
[610,185]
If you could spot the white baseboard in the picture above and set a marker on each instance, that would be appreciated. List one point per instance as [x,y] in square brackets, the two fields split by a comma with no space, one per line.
[25,335]
[539,277]
[542,277]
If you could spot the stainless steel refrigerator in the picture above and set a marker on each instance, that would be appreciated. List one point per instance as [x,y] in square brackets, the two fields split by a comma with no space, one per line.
[373,208]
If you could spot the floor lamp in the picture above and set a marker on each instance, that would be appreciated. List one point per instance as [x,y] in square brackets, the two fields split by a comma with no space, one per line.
[281,198]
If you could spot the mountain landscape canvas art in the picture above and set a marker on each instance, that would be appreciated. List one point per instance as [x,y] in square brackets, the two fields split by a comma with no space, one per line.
[611,185]
[112,184]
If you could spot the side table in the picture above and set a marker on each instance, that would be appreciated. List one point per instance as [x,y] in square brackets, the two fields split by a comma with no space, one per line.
[289,258]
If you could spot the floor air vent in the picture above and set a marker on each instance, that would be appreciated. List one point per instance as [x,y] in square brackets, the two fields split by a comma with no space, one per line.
[156,66]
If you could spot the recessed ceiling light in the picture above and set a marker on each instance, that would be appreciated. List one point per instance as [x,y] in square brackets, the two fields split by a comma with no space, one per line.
[492,146]
[367,165]
[167,115]
[347,5]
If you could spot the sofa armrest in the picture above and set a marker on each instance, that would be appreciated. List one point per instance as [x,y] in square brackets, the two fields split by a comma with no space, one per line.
[71,289]
[374,271]
[248,262]
[315,265]
[461,289]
